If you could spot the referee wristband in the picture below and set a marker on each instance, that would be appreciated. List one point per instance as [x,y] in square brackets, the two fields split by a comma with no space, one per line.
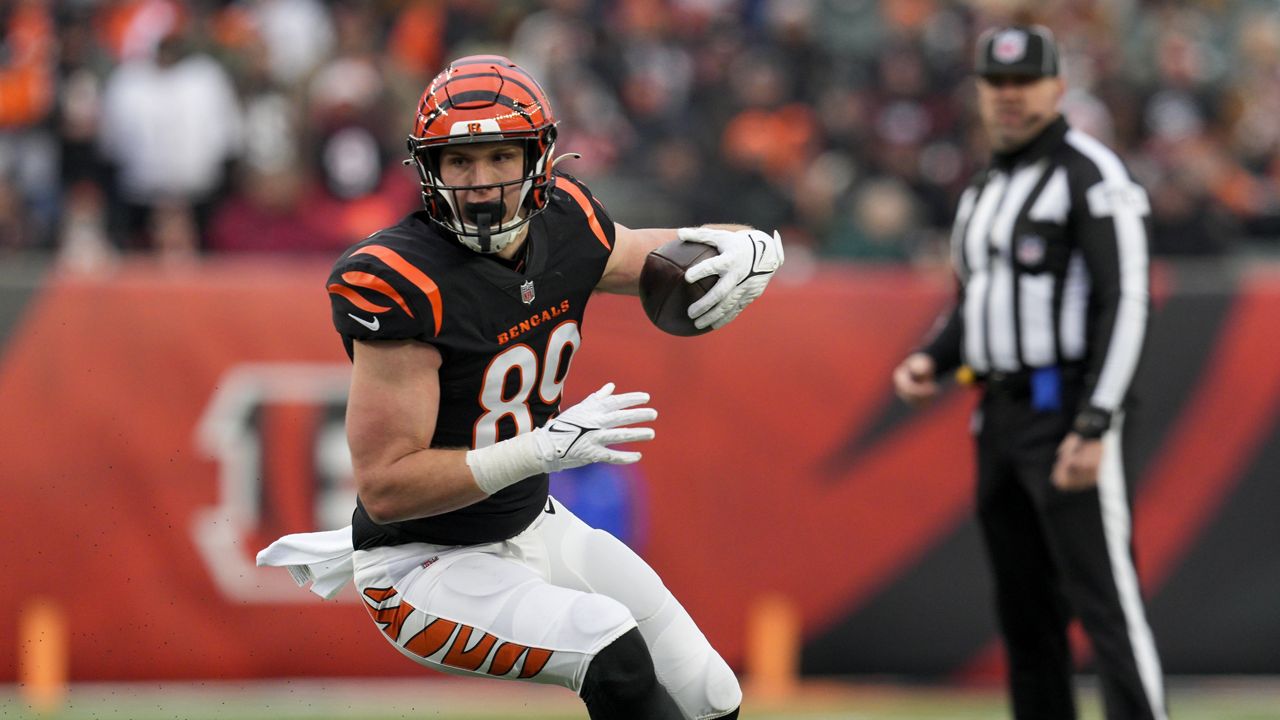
[1091,423]
[506,463]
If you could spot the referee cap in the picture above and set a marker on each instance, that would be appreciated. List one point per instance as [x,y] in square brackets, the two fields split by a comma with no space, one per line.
[1027,50]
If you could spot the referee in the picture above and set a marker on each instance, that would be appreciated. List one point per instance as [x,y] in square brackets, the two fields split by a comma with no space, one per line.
[1050,249]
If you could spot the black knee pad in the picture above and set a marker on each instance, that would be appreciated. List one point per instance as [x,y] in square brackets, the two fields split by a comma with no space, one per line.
[621,683]
[622,667]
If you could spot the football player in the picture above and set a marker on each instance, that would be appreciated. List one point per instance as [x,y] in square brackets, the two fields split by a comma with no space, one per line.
[461,323]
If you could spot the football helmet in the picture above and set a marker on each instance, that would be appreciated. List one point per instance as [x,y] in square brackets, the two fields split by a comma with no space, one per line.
[478,99]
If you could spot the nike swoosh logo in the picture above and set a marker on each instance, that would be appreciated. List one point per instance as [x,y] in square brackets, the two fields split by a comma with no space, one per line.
[371,325]
[561,428]
[758,250]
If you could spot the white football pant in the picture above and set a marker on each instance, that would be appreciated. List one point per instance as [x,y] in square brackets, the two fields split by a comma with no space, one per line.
[538,607]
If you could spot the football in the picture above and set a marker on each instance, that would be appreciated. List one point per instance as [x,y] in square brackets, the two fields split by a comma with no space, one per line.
[665,295]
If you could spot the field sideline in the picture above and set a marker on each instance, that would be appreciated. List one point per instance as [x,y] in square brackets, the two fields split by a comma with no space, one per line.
[456,699]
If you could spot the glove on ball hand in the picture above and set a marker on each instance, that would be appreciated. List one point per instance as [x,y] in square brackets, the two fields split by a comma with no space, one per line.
[745,265]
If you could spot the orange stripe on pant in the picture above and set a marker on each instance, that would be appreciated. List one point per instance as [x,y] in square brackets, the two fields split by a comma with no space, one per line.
[460,657]
[431,638]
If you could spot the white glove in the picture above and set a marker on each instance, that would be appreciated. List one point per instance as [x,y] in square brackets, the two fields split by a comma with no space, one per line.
[746,263]
[583,433]
[578,436]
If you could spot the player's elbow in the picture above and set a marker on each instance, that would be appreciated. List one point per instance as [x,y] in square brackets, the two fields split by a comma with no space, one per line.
[380,514]
[378,497]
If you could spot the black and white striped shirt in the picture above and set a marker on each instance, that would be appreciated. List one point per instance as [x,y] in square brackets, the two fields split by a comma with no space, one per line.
[1050,250]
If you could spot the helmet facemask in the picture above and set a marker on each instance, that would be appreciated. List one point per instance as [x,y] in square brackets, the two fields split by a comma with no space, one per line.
[485,229]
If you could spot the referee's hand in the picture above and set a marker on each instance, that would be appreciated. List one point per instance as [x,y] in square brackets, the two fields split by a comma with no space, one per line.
[914,380]
[1077,465]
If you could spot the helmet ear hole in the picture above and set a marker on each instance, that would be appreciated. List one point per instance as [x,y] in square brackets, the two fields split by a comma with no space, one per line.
[421,157]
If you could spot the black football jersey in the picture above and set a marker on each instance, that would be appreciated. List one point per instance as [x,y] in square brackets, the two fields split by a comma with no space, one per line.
[506,337]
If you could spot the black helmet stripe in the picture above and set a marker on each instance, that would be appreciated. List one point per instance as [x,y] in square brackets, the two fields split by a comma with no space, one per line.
[513,69]
[534,90]
[487,98]
[504,78]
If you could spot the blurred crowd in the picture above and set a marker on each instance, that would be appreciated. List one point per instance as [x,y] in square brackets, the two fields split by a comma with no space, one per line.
[192,128]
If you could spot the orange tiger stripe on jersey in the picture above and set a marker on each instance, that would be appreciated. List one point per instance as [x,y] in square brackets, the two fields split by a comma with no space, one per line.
[432,638]
[460,657]
[376,284]
[355,299]
[576,193]
[412,274]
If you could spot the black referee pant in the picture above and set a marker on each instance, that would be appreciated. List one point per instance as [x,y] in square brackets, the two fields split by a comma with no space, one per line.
[1057,555]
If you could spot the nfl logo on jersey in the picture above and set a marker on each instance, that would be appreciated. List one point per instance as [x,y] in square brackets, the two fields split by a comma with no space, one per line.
[526,292]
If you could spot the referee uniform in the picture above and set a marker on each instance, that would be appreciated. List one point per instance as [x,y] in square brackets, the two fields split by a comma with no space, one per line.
[1050,250]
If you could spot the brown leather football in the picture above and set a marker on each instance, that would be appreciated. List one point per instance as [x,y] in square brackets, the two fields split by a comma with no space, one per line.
[665,295]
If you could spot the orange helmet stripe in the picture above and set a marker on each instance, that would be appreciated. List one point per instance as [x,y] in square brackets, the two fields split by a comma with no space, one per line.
[509,83]
[506,69]
[412,274]
[576,193]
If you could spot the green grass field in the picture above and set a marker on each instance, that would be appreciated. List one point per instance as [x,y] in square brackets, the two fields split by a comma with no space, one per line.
[448,699]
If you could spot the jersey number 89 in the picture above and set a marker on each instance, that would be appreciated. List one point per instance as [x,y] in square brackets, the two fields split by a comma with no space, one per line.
[550,382]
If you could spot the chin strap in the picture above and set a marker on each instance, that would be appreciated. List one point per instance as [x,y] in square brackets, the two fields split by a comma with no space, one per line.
[484,240]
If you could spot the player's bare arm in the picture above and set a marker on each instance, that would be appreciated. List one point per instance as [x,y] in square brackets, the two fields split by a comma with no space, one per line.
[391,416]
[622,272]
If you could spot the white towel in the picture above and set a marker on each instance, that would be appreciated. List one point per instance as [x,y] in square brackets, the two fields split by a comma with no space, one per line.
[321,558]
